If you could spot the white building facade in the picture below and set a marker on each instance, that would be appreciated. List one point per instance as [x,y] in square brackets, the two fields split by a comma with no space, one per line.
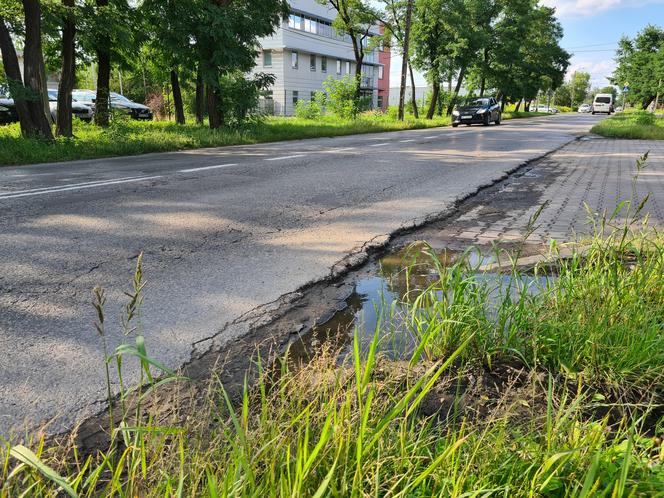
[304,51]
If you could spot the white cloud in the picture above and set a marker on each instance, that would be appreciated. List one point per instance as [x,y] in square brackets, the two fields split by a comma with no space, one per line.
[587,8]
[599,70]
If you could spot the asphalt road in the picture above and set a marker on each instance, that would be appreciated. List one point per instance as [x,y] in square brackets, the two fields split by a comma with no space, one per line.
[222,230]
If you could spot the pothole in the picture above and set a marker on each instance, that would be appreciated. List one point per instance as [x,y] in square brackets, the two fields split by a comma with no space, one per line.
[386,299]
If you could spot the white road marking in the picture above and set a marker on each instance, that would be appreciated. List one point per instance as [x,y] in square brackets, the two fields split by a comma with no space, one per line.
[341,150]
[204,168]
[430,137]
[80,186]
[67,185]
[409,140]
[379,145]
[285,157]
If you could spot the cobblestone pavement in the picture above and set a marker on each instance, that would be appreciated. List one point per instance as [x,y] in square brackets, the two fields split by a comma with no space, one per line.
[592,170]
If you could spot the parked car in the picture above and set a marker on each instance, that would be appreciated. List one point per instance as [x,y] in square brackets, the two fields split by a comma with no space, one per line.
[603,102]
[119,103]
[585,108]
[80,111]
[546,108]
[8,112]
[483,110]
[136,110]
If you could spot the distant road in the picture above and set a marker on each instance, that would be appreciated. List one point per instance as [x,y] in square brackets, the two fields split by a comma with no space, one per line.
[223,231]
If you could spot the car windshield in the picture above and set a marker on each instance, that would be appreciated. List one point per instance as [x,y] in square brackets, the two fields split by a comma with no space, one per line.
[84,96]
[53,95]
[477,102]
[118,97]
[603,100]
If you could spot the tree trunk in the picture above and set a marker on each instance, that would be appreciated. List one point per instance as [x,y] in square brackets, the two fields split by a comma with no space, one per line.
[518,106]
[177,98]
[33,69]
[404,64]
[413,97]
[64,116]
[483,81]
[450,107]
[200,97]
[213,101]
[359,60]
[102,109]
[434,99]
[13,72]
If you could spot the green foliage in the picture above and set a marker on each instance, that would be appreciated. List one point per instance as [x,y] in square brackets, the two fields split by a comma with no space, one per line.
[635,125]
[311,109]
[640,64]
[240,95]
[341,97]
[579,87]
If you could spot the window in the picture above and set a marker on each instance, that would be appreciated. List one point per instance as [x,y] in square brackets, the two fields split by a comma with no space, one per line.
[310,25]
[380,72]
[295,96]
[380,101]
[295,59]
[323,64]
[338,66]
[295,21]
[312,62]
[267,58]
[347,67]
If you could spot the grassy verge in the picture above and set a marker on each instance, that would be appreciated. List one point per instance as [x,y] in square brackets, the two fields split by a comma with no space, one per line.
[126,138]
[544,389]
[635,125]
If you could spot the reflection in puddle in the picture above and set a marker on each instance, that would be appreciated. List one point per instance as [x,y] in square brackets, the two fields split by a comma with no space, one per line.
[381,303]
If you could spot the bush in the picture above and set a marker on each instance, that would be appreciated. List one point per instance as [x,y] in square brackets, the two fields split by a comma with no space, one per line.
[240,95]
[312,109]
[341,96]
[644,118]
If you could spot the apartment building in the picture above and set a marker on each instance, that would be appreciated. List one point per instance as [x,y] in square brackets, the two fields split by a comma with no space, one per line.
[305,50]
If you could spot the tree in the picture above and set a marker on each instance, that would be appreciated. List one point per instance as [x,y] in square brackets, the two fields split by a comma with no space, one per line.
[398,22]
[68,72]
[640,64]
[356,19]
[579,87]
[225,34]
[30,94]
[169,28]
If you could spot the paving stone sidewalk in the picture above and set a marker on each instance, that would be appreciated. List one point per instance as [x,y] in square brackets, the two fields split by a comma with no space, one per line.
[593,170]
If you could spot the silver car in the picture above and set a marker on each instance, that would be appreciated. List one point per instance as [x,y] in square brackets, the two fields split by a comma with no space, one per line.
[81,111]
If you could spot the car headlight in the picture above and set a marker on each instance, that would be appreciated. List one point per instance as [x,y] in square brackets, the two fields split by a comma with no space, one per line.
[455,112]
[3,109]
[481,111]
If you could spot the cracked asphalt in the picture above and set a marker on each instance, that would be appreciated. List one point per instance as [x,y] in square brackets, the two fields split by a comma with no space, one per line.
[223,231]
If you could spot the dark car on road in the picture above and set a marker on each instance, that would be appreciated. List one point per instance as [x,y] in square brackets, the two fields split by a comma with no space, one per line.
[7,111]
[483,110]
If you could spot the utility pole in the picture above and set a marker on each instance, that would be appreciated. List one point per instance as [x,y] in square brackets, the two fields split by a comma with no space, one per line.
[404,62]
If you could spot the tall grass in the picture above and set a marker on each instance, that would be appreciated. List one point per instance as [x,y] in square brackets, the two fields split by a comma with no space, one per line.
[640,125]
[133,137]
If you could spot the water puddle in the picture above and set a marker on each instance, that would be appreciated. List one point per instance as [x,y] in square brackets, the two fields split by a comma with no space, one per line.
[383,301]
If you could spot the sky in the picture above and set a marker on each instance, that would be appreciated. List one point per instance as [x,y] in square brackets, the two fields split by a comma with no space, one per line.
[592,29]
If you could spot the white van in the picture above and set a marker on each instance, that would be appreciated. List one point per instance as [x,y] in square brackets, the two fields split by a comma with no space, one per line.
[603,103]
